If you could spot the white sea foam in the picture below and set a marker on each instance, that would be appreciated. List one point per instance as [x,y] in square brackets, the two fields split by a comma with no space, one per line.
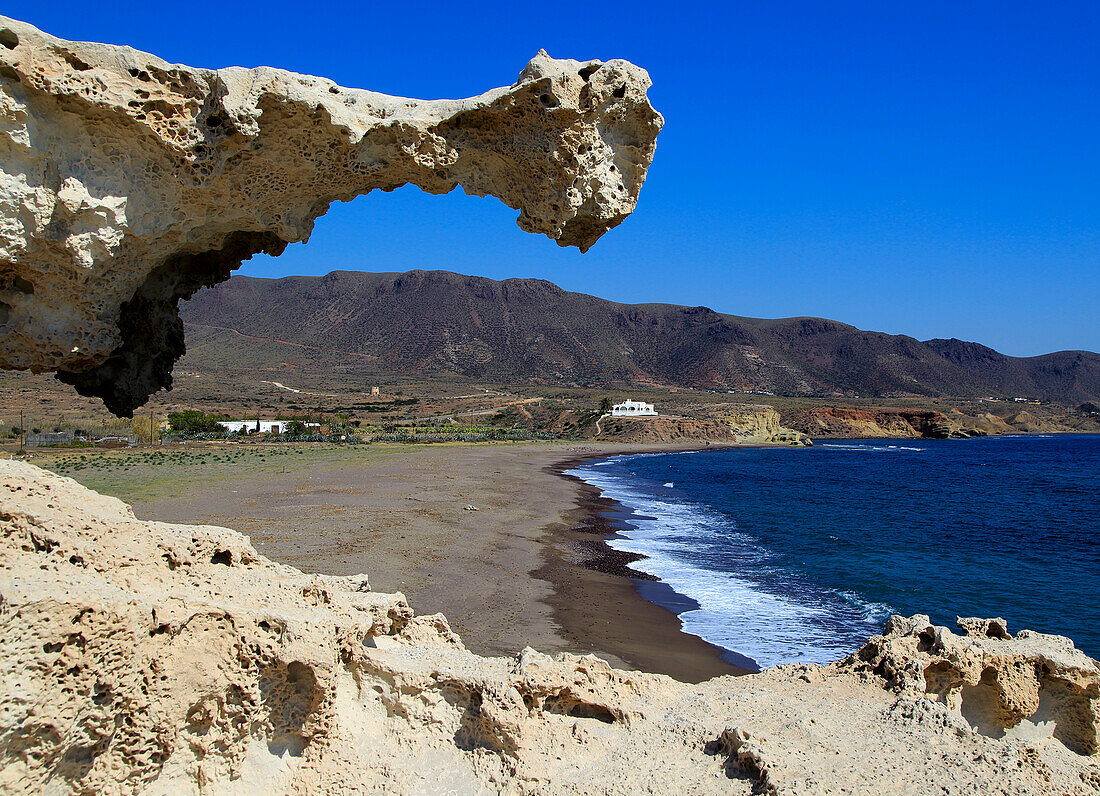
[735,612]
[868,448]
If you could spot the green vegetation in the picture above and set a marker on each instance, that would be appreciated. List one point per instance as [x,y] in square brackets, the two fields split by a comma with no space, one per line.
[136,475]
[192,421]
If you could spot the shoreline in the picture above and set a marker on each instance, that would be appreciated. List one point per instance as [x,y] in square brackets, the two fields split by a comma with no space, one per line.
[645,633]
[525,565]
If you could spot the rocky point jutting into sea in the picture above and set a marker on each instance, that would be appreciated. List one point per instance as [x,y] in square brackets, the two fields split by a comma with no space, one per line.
[139,656]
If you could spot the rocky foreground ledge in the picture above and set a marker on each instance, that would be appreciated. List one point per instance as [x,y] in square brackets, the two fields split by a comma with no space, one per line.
[127,183]
[144,657]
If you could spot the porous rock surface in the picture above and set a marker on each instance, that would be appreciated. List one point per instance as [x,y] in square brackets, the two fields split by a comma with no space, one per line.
[127,183]
[145,657]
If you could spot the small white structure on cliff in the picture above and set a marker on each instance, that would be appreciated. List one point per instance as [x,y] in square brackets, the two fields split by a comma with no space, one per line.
[629,408]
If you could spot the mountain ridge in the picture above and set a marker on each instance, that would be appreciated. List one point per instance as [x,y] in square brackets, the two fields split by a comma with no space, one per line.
[426,323]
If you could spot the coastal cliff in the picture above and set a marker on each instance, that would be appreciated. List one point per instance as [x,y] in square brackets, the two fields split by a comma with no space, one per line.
[722,423]
[839,422]
[759,423]
[140,656]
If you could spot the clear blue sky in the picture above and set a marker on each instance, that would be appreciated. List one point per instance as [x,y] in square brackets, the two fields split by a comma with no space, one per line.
[924,168]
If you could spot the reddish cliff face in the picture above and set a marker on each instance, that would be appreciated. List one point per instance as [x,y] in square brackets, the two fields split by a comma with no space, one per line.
[833,421]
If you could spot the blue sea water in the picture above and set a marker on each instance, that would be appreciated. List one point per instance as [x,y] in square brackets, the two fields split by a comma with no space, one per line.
[783,555]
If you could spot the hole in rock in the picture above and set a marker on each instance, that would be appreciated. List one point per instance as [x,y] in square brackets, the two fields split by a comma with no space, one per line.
[1069,706]
[5,313]
[983,705]
[586,72]
[620,92]
[102,695]
[8,38]
[222,557]
[76,63]
[997,630]
[78,761]
[290,696]
[42,545]
[567,706]
[9,73]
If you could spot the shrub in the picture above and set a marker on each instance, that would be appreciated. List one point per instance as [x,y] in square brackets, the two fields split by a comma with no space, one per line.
[192,421]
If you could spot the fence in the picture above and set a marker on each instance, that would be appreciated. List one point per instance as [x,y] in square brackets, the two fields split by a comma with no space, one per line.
[49,439]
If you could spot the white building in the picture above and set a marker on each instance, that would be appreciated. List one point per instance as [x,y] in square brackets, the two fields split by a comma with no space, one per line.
[262,426]
[630,408]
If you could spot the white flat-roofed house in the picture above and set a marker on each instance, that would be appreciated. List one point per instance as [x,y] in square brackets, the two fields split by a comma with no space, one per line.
[629,408]
[262,426]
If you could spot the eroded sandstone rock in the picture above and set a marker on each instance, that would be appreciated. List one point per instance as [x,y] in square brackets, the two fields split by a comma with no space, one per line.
[127,183]
[146,657]
[1029,686]
[759,423]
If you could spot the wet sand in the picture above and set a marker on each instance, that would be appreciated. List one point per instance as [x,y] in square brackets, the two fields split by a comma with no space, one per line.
[524,565]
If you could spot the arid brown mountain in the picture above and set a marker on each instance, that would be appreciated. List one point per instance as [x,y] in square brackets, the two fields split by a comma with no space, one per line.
[436,322]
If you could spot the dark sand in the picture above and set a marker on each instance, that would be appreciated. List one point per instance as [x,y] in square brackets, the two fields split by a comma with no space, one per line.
[527,568]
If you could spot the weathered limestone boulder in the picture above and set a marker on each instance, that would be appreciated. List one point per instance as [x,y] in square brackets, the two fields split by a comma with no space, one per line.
[147,657]
[1033,685]
[127,183]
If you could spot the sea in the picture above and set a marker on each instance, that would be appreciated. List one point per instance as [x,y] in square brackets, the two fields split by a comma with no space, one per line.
[779,555]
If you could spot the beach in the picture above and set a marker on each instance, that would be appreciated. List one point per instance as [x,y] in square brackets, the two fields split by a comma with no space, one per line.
[492,536]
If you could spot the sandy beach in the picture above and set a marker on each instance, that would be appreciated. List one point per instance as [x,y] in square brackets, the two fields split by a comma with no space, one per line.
[492,536]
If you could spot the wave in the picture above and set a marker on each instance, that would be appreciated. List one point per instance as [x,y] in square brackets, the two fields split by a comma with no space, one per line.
[745,604]
[873,448]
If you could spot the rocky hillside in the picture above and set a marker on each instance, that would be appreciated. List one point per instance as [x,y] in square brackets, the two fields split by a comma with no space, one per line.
[148,657]
[436,322]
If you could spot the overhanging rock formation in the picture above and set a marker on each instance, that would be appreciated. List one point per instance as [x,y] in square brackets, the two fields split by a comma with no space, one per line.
[127,183]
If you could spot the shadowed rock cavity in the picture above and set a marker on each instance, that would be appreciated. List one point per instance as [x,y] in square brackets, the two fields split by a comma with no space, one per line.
[127,183]
[150,325]
[1029,687]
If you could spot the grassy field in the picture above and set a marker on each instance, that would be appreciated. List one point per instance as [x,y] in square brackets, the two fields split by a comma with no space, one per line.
[148,474]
